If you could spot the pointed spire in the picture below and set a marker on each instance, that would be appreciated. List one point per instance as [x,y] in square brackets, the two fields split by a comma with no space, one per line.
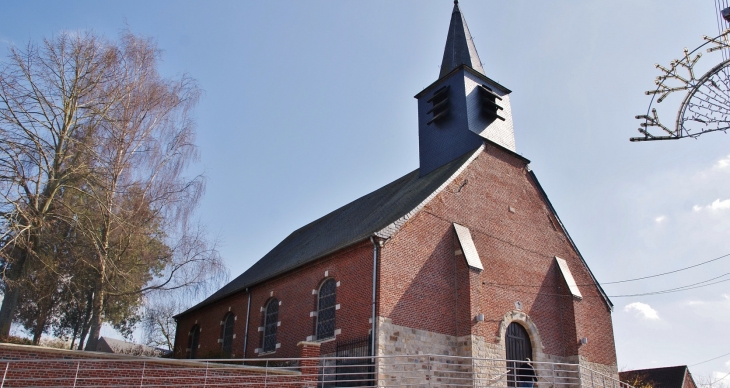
[459,45]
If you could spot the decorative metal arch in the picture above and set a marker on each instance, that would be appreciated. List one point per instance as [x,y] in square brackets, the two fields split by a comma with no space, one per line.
[706,106]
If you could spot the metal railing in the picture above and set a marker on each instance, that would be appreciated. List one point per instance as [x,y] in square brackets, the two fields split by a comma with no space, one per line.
[384,371]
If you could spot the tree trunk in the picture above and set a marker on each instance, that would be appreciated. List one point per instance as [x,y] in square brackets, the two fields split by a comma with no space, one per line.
[75,333]
[96,312]
[38,329]
[85,322]
[10,301]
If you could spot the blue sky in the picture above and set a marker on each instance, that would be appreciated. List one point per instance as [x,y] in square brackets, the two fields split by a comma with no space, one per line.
[309,105]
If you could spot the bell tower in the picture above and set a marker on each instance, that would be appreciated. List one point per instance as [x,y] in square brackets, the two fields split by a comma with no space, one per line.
[463,107]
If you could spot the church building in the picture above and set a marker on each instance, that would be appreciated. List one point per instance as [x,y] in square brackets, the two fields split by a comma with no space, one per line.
[463,256]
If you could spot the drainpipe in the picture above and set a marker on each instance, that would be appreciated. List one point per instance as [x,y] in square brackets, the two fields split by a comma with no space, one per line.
[375,284]
[248,313]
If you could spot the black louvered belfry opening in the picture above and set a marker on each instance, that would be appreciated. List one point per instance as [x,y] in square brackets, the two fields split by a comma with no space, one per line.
[519,349]
[271,322]
[326,309]
[193,341]
[490,103]
[439,104]
[228,333]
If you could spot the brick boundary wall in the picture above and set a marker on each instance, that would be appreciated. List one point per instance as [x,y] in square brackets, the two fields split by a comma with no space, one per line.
[32,366]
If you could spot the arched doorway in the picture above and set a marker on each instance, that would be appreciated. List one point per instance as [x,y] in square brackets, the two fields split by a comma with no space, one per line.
[519,349]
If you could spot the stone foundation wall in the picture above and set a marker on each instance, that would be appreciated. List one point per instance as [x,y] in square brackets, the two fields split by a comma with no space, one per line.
[606,376]
[472,360]
[408,365]
[400,340]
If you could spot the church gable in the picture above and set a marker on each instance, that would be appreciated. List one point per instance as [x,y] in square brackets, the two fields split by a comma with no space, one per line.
[517,237]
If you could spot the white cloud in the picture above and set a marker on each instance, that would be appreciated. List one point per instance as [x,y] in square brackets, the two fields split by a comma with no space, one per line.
[660,219]
[6,41]
[643,310]
[722,163]
[720,377]
[716,205]
[720,205]
[716,310]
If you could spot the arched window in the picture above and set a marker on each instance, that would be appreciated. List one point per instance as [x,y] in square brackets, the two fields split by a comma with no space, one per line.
[327,297]
[227,333]
[193,339]
[271,320]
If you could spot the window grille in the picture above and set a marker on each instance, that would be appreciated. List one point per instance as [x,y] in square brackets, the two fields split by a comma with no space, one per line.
[326,309]
[270,323]
[193,340]
[228,333]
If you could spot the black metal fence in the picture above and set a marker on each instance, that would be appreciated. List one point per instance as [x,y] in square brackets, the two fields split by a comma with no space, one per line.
[355,370]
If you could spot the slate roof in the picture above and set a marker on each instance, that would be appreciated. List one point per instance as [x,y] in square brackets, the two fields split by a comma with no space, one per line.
[111,345]
[667,377]
[460,48]
[350,224]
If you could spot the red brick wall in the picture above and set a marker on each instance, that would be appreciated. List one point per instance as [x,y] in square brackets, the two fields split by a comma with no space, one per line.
[352,267]
[30,366]
[689,382]
[517,250]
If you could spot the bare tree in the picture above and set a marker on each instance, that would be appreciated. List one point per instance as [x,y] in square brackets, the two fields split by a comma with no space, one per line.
[137,193]
[170,295]
[158,324]
[49,103]
[709,381]
[101,145]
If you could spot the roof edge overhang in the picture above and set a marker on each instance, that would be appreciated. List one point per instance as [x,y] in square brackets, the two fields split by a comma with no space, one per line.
[507,150]
[470,70]
[606,299]
[389,230]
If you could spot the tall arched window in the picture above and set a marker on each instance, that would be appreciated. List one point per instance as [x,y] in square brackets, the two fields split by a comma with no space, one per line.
[327,297]
[271,320]
[227,332]
[193,339]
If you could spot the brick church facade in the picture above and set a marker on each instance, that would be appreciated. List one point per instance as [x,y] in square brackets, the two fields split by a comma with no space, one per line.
[463,256]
